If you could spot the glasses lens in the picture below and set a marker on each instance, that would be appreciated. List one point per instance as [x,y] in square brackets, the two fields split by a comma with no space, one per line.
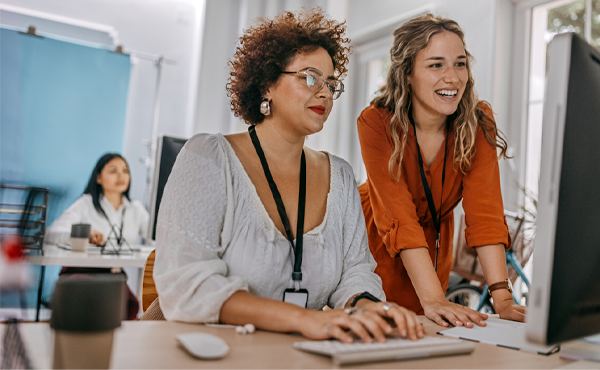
[338,88]
[312,81]
[315,82]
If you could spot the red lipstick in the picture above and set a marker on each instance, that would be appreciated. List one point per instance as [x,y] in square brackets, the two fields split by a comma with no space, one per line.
[318,109]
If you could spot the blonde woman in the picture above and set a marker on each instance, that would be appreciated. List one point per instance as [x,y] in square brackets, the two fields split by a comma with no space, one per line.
[428,142]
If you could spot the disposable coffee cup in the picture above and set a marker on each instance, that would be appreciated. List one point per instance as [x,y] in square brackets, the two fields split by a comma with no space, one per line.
[80,236]
[86,310]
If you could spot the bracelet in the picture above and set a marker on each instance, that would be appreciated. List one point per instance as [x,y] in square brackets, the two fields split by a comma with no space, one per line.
[353,310]
[365,295]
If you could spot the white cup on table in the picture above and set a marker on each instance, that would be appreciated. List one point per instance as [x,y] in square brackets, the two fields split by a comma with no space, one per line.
[80,236]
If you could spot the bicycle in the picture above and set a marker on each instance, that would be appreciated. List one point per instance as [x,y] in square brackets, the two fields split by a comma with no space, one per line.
[466,294]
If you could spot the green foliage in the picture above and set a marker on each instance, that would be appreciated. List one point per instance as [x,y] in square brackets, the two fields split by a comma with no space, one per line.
[571,18]
[567,18]
[596,23]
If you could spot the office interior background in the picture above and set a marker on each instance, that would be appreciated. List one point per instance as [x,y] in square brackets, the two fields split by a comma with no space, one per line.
[68,95]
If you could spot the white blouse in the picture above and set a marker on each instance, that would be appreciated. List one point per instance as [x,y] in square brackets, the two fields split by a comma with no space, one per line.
[214,237]
[83,211]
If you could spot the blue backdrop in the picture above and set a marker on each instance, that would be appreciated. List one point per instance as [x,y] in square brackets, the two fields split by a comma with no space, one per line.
[62,106]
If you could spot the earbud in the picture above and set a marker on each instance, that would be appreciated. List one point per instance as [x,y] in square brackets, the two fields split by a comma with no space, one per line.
[240,330]
[246,329]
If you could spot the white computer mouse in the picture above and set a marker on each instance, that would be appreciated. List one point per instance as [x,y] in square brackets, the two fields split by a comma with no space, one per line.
[204,346]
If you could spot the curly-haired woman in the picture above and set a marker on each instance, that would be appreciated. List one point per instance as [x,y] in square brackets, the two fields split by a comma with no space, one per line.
[256,228]
[426,140]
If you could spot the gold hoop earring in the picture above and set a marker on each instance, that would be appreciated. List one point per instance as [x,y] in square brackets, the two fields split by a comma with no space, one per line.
[265,108]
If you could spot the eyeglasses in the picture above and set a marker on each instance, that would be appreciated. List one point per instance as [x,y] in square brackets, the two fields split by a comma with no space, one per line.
[315,81]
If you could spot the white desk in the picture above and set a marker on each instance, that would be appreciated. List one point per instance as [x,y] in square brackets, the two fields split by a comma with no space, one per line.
[151,344]
[55,256]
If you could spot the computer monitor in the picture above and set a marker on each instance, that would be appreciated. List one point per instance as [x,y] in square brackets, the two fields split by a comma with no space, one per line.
[167,150]
[565,292]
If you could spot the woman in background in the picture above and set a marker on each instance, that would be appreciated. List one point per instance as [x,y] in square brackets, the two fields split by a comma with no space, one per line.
[414,184]
[106,206]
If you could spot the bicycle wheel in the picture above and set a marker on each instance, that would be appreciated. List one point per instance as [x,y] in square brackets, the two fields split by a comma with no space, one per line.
[468,295]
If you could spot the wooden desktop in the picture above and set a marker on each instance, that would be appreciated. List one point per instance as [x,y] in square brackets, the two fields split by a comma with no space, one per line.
[152,344]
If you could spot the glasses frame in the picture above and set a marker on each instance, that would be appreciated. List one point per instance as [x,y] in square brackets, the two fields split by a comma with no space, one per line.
[319,85]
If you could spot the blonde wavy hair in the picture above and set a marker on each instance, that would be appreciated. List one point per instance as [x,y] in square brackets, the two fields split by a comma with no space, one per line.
[409,39]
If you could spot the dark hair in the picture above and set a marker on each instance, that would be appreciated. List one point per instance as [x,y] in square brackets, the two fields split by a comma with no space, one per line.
[94,189]
[267,48]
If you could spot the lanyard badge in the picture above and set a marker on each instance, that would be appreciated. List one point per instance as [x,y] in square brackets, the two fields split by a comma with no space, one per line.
[436,221]
[296,295]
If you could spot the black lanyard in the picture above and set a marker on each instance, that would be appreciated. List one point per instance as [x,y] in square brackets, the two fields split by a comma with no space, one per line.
[297,274]
[112,227]
[436,222]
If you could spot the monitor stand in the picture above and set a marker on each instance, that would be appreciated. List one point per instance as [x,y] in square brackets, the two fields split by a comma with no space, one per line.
[587,349]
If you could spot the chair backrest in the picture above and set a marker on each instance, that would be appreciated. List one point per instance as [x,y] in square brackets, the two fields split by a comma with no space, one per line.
[149,293]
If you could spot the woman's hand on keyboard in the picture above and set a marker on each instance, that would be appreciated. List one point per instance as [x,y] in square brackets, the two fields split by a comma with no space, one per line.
[405,320]
[367,323]
[443,312]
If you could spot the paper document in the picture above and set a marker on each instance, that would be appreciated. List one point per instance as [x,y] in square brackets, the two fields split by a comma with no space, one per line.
[98,249]
[502,333]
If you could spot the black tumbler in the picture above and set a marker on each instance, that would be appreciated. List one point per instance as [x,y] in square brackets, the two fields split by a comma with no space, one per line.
[86,308]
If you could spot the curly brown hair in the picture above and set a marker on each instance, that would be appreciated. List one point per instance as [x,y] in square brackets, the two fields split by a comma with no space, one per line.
[268,47]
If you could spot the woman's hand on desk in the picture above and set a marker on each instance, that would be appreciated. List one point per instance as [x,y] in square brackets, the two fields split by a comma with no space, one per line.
[96,237]
[509,310]
[368,323]
[442,312]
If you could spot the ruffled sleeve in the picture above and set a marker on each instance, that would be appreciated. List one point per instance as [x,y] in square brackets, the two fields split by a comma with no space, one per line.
[191,278]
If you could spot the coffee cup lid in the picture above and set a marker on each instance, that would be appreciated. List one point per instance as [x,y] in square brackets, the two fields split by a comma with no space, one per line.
[80,230]
[88,302]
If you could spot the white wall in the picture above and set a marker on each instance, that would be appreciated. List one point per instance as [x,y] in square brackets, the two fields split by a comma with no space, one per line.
[225,22]
[169,28]
[220,39]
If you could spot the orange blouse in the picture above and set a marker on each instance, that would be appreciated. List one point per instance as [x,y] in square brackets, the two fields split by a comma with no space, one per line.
[397,213]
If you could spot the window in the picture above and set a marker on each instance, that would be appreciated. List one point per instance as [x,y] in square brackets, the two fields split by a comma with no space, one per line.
[548,20]
[373,63]
[377,71]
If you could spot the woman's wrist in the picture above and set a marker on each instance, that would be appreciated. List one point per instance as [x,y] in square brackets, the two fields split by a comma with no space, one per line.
[432,299]
[364,303]
[364,296]
[501,298]
[298,319]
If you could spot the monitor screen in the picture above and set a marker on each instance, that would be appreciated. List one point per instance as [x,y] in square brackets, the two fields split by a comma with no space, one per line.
[167,150]
[565,292]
